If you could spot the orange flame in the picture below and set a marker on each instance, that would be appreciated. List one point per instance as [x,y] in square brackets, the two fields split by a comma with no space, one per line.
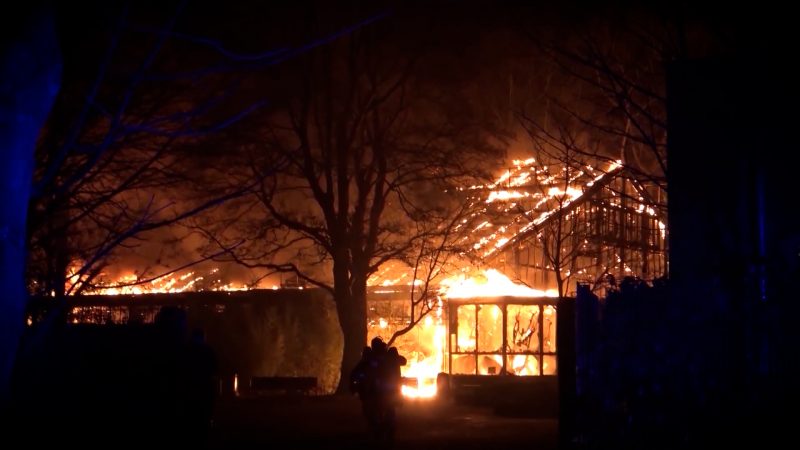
[426,368]
[133,284]
[490,283]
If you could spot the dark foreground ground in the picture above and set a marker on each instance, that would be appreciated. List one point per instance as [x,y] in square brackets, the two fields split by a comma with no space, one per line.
[336,423]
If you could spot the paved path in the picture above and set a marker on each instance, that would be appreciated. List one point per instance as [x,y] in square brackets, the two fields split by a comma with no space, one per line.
[336,422]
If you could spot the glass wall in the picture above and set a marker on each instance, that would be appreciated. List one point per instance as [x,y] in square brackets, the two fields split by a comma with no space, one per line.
[496,338]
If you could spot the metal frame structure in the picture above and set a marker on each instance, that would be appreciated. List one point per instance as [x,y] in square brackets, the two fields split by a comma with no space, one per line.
[542,352]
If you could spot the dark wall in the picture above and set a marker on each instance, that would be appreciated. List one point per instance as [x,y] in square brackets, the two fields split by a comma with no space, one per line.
[731,174]
[140,381]
[734,227]
[275,333]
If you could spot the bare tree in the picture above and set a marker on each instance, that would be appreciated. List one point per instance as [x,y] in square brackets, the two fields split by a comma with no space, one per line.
[435,256]
[595,219]
[619,64]
[560,236]
[28,86]
[375,159]
[607,84]
[100,166]
[126,163]
[598,101]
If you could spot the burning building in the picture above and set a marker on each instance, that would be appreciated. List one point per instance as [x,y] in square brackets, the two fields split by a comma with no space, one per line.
[549,226]
[545,226]
[552,225]
[478,329]
[502,334]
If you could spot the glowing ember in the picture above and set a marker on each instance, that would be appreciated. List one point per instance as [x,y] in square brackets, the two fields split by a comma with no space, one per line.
[490,284]
[133,284]
[545,189]
[505,195]
[391,273]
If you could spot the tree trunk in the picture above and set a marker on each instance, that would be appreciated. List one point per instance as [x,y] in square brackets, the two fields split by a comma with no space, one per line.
[352,311]
[351,307]
[559,283]
[30,71]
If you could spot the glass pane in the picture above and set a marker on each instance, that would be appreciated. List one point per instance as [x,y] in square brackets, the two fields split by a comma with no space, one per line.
[466,328]
[549,329]
[523,327]
[550,365]
[522,365]
[463,364]
[490,328]
[490,364]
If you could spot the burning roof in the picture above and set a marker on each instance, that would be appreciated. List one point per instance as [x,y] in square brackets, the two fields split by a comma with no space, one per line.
[529,194]
[489,283]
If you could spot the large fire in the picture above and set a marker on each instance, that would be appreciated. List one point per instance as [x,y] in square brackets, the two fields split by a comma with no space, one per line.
[425,346]
[424,367]
[538,191]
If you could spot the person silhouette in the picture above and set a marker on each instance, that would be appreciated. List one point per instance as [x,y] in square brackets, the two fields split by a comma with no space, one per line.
[394,362]
[373,380]
[386,381]
[358,376]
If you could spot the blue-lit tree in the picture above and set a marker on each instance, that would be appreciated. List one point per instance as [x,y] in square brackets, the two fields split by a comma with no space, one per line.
[114,151]
[30,71]
[130,151]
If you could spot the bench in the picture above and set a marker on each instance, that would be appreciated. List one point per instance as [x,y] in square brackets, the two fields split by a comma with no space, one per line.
[283,384]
